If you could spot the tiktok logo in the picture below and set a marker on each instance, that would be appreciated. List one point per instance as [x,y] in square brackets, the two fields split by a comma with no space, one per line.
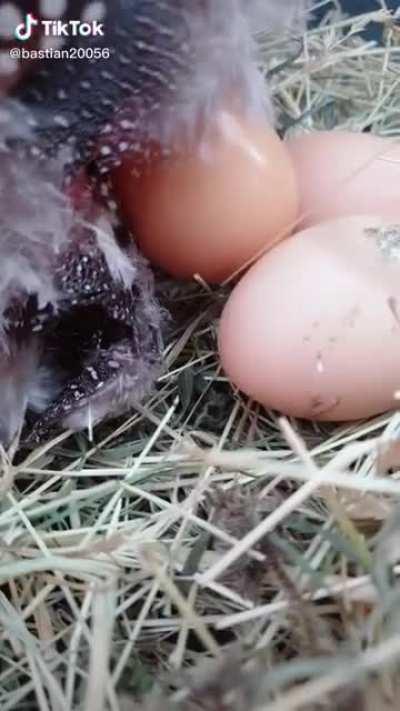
[25,29]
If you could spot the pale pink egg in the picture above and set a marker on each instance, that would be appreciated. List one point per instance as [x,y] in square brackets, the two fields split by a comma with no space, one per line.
[214,206]
[313,328]
[342,173]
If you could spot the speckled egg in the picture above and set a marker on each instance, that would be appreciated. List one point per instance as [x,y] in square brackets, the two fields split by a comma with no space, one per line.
[313,329]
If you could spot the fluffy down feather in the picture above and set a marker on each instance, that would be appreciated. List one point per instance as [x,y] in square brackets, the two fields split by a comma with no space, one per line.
[80,332]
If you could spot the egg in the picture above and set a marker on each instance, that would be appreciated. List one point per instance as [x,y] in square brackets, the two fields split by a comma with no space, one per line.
[313,328]
[210,208]
[342,173]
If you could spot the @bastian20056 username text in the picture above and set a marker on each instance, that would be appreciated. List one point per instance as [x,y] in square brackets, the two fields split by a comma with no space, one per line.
[72,53]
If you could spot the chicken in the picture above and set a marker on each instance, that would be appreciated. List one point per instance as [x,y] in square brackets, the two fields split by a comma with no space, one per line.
[80,328]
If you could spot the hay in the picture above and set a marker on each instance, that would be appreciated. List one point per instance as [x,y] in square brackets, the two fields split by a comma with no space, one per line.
[204,553]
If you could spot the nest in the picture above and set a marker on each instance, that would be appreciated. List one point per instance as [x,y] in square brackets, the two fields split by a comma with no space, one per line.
[204,553]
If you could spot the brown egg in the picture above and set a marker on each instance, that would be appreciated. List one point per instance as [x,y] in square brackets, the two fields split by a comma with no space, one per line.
[209,210]
[341,173]
[313,328]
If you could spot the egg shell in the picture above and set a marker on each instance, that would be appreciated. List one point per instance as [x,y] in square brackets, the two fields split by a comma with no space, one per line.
[214,207]
[313,328]
[343,173]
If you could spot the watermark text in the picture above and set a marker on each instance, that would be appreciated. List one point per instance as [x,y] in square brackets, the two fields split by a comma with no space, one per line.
[58,28]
